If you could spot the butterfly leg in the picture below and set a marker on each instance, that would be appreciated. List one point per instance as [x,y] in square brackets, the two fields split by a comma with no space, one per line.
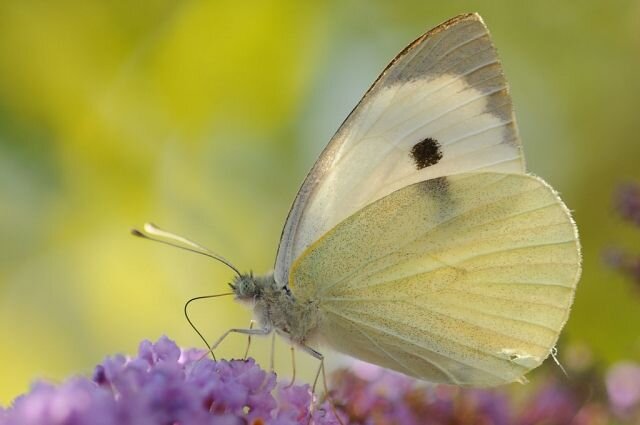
[261,331]
[293,366]
[320,357]
[273,353]
[246,352]
[321,370]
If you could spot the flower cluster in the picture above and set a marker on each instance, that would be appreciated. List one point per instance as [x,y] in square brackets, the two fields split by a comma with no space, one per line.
[168,386]
[585,399]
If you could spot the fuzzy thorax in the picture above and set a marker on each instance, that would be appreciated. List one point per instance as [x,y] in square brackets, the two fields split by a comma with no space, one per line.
[277,308]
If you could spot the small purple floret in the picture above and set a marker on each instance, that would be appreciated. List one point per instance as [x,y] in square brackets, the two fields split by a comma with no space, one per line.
[623,387]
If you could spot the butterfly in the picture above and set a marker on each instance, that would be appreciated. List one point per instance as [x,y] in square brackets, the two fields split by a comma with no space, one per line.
[418,241]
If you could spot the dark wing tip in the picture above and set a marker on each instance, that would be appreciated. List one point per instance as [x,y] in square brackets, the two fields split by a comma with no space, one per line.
[465,17]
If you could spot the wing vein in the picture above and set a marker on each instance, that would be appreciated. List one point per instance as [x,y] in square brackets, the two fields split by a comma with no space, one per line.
[389,355]
[422,125]
[415,344]
[425,232]
[483,328]
[482,312]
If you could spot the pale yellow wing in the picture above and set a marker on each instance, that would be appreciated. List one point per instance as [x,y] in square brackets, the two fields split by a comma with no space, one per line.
[464,279]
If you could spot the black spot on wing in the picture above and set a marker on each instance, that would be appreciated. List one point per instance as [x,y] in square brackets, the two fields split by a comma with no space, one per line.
[426,153]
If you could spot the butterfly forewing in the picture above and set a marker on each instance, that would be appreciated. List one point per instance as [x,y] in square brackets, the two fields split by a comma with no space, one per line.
[440,108]
[465,279]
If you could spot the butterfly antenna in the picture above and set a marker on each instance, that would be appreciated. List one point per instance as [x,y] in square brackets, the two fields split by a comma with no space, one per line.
[154,233]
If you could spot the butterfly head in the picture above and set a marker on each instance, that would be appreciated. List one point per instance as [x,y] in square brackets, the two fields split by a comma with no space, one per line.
[249,287]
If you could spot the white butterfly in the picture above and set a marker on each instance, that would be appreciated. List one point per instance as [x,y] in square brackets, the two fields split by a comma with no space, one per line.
[418,242]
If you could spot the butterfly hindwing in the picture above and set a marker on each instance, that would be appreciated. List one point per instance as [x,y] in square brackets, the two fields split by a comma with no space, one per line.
[440,108]
[465,279]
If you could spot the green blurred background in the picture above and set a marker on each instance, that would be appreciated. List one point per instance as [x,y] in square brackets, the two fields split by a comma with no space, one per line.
[205,116]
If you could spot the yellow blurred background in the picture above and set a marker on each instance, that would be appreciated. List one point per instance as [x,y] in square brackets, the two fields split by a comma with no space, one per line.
[204,117]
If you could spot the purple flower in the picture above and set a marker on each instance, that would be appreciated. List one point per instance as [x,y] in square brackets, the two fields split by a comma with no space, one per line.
[623,387]
[491,407]
[553,405]
[627,202]
[387,397]
[77,401]
[164,385]
[167,386]
[626,263]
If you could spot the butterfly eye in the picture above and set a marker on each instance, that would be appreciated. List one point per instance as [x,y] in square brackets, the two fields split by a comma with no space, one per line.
[245,287]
